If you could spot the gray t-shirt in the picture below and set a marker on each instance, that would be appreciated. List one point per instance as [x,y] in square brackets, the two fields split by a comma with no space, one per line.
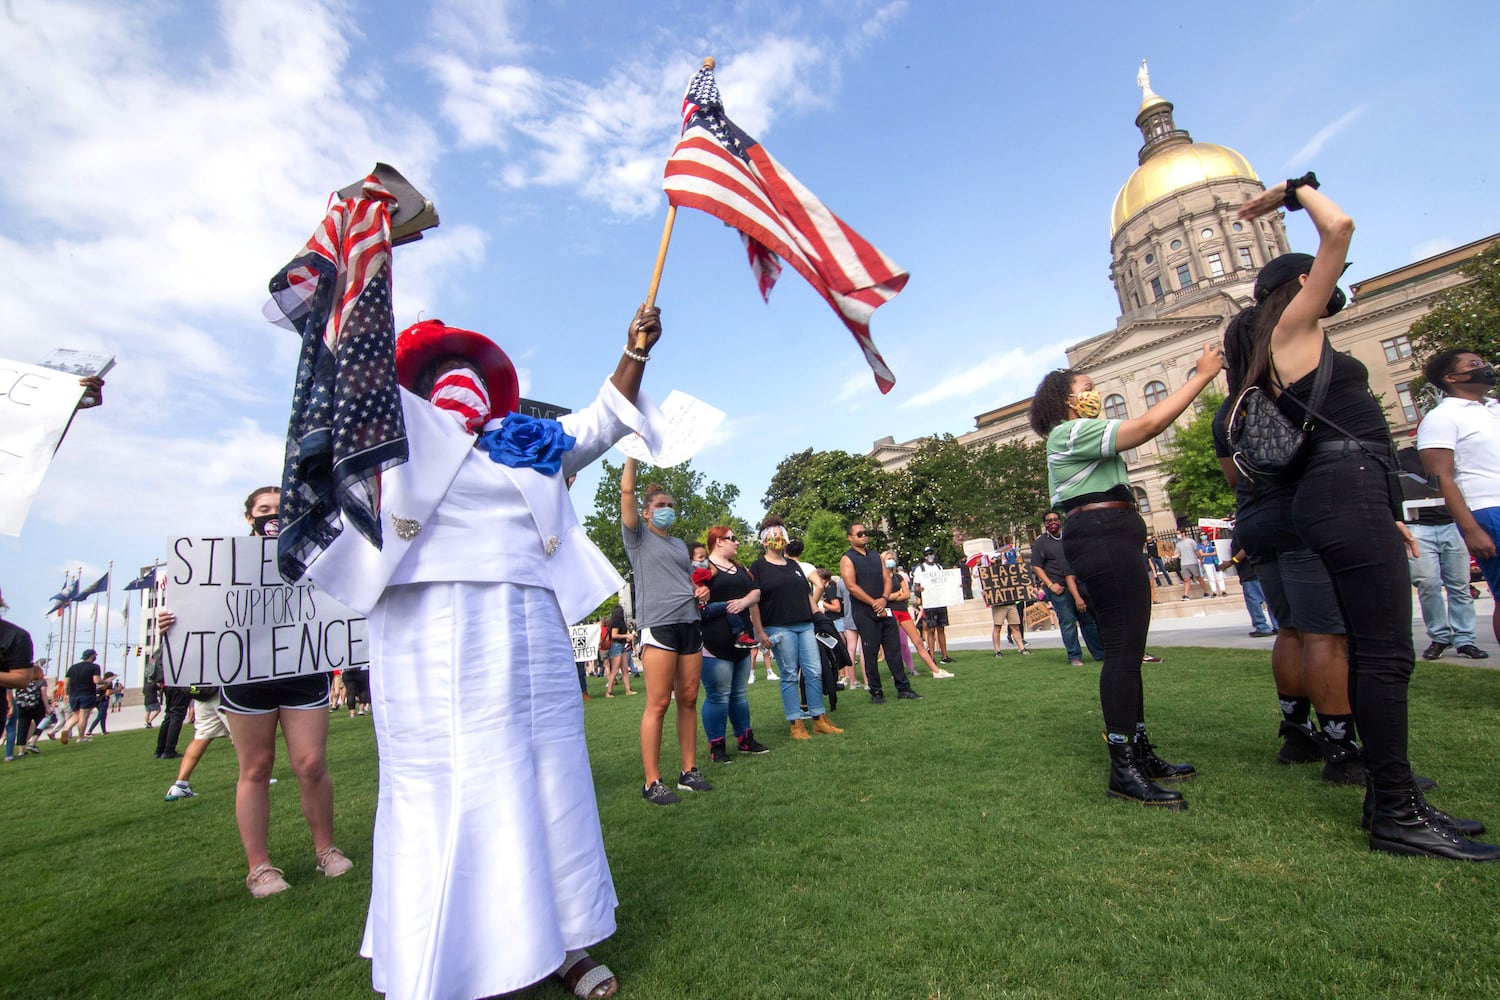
[663,577]
[1187,551]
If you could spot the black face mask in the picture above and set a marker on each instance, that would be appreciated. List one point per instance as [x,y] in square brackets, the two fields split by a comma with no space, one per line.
[1336,302]
[267,526]
[1484,375]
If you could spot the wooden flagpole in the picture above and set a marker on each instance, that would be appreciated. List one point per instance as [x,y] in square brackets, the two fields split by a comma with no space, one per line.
[661,251]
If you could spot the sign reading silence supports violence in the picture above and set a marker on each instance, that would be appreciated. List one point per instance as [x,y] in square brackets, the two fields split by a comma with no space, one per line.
[238,622]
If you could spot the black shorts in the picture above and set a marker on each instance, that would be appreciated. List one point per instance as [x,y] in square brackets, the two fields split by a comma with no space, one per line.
[1309,593]
[936,617]
[269,696]
[684,638]
[357,684]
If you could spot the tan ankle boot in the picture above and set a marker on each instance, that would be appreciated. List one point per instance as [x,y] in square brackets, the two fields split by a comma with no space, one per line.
[822,725]
[799,731]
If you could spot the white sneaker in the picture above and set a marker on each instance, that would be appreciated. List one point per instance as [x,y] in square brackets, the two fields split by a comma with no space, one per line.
[180,790]
[771,676]
[332,863]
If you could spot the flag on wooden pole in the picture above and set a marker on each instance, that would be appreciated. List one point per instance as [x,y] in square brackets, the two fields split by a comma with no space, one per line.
[718,169]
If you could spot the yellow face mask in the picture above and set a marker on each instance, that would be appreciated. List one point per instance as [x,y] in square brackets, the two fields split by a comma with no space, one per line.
[1088,404]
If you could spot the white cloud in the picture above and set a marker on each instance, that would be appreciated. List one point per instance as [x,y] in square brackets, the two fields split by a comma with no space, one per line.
[1321,138]
[1009,375]
[477,28]
[610,140]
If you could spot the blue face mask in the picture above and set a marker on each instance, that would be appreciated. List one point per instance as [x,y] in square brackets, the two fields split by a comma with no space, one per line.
[664,517]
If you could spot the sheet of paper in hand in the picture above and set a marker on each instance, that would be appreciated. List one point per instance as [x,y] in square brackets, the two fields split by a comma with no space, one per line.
[690,423]
[944,589]
[80,363]
[238,622]
[35,406]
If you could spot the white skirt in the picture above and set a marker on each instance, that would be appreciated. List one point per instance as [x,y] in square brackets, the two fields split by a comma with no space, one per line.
[488,860]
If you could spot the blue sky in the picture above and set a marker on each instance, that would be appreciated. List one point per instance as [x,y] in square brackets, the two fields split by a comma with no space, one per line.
[164,159]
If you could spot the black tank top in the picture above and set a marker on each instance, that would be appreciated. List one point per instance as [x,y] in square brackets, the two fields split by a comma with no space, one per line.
[1348,403]
[867,573]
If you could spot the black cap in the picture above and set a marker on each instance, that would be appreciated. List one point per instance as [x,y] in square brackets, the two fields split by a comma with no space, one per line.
[1279,271]
[928,549]
[89,654]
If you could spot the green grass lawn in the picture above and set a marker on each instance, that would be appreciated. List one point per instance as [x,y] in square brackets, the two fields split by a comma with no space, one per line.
[957,847]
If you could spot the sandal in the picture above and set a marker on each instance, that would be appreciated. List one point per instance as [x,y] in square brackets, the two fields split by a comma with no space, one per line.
[586,977]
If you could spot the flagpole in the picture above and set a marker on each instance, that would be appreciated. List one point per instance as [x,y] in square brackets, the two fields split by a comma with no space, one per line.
[108,599]
[661,251]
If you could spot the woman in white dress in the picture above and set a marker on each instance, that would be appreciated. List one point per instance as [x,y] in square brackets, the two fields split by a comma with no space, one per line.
[489,871]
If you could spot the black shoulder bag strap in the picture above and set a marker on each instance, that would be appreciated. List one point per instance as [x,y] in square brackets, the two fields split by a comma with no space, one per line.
[1311,409]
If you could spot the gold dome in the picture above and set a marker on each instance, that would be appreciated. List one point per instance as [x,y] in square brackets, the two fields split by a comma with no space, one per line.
[1173,169]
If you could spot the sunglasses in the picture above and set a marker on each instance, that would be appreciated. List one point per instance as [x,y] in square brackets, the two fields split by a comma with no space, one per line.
[729,538]
[859,534]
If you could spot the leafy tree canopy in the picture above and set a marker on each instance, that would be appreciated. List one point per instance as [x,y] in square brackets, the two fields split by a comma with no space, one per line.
[701,504]
[1466,317]
[835,481]
[1195,481]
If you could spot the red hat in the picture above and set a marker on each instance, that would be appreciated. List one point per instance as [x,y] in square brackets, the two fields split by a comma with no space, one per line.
[420,344]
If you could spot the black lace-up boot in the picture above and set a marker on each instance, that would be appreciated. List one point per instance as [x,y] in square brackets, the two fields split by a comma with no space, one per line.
[1403,823]
[1154,767]
[1128,781]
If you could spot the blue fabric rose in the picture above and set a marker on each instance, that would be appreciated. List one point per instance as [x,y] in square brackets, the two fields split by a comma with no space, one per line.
[523,442]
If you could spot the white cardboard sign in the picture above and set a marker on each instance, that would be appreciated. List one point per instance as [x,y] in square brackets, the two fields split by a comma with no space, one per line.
[35,406]
[688,425]
[942,589]
[239,622]
[585,642]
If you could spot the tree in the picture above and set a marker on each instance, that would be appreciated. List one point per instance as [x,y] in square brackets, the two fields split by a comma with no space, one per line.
[1012,481]
[701,504]
[1195,481]
[811,481]
[825,540]
[1467,316]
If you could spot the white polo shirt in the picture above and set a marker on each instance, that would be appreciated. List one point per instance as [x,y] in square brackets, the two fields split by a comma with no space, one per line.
[1470,428]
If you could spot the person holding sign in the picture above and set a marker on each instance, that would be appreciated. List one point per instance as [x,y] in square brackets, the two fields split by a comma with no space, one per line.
[1102,539]
[489,871]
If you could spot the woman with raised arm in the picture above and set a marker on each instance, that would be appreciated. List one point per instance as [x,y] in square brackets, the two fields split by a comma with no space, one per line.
[1102,541]
[1342,510]
[671,646]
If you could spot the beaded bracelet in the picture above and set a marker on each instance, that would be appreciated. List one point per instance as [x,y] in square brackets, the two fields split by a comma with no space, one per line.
[642,358]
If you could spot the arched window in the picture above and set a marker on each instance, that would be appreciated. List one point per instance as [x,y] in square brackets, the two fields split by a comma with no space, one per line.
[1141,502]
[1155,393]
[1114,407]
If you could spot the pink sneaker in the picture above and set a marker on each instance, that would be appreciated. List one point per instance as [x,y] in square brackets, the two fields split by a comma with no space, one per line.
[266,880]
[332,863]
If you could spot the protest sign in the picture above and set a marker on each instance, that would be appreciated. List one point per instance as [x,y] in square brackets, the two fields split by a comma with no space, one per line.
[239,622]
[585,642]
[36,404]
[1004,584]
[941,588]
[689,424]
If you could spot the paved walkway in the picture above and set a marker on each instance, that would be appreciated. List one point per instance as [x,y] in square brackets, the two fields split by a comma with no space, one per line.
[1230,630]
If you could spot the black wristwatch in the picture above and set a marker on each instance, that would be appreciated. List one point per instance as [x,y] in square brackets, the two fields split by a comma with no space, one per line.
[1290,199]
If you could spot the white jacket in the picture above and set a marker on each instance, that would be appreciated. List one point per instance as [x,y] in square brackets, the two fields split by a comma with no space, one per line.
[450,513]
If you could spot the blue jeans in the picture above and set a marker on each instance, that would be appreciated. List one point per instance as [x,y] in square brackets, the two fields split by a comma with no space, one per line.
[724,695]
[1443,566]
[795,648]
[1070,620]
[1261,618]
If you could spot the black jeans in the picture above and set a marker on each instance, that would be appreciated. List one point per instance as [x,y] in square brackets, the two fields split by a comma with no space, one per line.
[876,634]
[1342,512]
[177,701]
[1104,548]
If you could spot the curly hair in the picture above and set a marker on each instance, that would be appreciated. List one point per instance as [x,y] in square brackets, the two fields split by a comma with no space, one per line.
[1049,404]
[1440,365]
[651,492]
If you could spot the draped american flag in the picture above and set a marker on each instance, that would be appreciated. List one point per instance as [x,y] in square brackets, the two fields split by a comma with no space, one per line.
[346,425]
[718,169]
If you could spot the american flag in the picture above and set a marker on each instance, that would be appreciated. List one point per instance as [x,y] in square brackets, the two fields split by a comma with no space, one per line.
[346,425]
[718,169]
[461,393]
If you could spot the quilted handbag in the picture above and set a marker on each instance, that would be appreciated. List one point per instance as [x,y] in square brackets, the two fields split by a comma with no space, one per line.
[1266,444]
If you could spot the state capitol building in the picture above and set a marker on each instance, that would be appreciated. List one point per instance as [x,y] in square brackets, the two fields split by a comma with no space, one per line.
[1182,266]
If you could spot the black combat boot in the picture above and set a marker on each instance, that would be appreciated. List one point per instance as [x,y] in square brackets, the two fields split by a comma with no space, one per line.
[1403,823]
[1343,763]
[1299,745]
[1154,767]
[1463,827]
[1128,782]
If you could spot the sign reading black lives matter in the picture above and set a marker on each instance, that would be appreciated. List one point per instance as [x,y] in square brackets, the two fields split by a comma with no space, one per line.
[1004,584]
[239,622]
